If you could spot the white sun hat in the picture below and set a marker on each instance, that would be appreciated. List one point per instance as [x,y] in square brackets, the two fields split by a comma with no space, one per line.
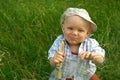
[79,12]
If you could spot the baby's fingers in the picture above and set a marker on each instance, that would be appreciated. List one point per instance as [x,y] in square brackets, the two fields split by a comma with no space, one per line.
[58,57]
[85,55]
[61,54]
[82,55]
[58,60]
[88,55]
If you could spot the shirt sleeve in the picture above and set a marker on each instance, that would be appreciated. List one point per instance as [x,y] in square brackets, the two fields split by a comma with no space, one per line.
[95,47]
[54,48]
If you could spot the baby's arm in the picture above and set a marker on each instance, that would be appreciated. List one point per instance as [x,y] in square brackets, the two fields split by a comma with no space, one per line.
[95,57]
[96,53]
[57,58]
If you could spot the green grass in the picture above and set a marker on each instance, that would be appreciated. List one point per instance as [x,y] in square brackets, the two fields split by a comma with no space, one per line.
[29,27]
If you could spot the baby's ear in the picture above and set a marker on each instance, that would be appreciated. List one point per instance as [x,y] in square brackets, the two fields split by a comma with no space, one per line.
[89,33]
[62,27]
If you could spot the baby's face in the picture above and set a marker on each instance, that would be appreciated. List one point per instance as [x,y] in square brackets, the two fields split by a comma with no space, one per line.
[75,30]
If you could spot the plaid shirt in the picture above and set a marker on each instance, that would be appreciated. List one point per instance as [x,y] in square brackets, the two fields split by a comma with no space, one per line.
[73,66]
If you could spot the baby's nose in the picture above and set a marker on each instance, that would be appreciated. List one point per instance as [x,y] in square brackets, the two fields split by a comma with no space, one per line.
[75,32]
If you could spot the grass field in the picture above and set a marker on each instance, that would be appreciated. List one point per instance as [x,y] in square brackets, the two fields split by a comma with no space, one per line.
[29,27]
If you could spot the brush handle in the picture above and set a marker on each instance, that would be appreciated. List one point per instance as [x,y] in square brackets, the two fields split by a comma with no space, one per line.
[59,66]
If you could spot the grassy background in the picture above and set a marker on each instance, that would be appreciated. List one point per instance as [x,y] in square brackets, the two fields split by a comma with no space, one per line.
[29,27]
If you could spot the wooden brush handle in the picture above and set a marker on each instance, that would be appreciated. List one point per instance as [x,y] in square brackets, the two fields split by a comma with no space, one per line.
[59,66]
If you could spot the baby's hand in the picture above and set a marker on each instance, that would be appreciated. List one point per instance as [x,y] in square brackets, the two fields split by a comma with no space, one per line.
[58,58]
[95,57]
[86,55]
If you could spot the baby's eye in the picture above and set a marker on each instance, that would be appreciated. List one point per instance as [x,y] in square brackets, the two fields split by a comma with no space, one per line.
[70,28]
[81,30]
